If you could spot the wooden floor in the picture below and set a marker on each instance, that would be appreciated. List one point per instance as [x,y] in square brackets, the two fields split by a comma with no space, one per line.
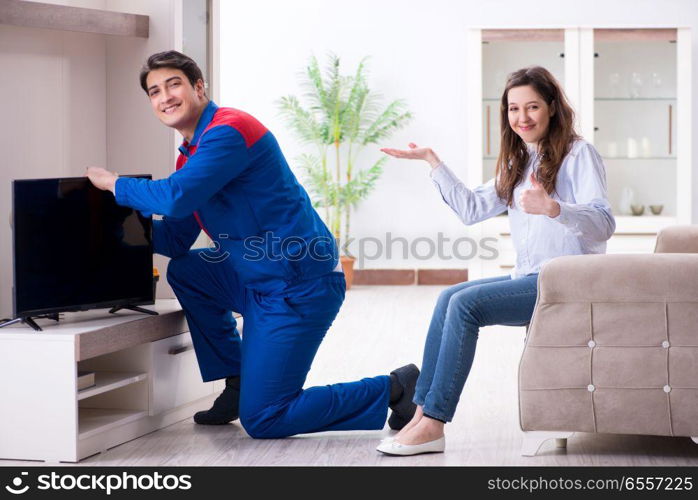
[380,328]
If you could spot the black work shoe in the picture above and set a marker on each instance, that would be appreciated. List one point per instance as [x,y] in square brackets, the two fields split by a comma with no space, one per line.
[403,407]
[225,408]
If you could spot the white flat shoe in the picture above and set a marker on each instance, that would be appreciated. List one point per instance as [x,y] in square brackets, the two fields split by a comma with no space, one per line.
[395,448]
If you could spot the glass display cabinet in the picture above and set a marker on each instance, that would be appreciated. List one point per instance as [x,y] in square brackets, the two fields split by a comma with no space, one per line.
[635,98]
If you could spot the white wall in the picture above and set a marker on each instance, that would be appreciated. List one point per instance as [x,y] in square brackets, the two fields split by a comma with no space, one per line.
[137,142]
[418,52]
[194,33]
[70,100]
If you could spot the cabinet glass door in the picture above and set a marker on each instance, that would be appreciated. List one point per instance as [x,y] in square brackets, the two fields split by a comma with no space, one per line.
[635,89]
[503,52]
[196,35]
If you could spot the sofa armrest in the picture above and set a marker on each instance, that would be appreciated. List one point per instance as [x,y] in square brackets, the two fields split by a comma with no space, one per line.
[620,278]
[613,346]
[677,239]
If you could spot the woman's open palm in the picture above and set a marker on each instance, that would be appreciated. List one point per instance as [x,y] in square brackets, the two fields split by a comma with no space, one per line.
[414,153]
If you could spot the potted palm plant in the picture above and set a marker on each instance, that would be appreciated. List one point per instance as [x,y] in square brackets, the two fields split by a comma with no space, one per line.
[340,117]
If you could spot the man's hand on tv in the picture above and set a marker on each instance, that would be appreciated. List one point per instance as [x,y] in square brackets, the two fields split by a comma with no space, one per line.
[102,178]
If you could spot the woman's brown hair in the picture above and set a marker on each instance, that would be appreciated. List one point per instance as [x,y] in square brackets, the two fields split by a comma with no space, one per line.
[553,147]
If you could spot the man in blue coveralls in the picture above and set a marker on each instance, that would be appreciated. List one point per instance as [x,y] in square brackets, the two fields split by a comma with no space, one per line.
[275,262]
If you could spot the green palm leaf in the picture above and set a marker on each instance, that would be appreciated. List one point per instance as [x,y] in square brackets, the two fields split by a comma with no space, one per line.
[361,186]
[300,120]
[340,113]
[394,117]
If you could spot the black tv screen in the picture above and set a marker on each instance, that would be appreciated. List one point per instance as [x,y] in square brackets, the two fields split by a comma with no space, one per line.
[76,249]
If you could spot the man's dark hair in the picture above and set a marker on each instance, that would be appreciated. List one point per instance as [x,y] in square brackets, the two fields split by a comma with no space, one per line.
[171,59]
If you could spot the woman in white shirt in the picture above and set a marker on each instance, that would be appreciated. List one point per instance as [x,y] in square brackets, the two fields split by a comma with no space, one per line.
[552,183]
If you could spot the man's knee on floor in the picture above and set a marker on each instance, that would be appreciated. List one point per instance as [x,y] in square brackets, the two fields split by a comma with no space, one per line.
[263,425]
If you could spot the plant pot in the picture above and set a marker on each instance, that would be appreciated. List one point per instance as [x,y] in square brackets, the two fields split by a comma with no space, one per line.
[348,268]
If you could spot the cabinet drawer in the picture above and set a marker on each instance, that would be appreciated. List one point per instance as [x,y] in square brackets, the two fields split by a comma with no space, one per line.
[175,379]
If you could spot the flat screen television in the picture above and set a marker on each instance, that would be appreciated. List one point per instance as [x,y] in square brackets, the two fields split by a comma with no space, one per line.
[75,249]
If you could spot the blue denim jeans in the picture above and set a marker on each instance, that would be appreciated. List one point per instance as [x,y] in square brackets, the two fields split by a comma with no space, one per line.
[450,346]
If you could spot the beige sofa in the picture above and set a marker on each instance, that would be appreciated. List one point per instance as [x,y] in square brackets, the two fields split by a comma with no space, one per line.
[613,345]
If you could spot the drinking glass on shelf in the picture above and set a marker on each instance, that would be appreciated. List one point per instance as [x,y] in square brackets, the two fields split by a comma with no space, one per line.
[627,198]
[656,80]
[635,85]
[632,147]
[656,83]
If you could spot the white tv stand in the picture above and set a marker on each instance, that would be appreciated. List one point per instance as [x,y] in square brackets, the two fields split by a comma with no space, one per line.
[147,378]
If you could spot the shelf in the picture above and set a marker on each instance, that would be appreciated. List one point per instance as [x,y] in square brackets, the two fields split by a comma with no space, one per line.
[93,421]
[604,99]
[64,18]
[607,99]
[523,35]
[108,381]
[639,158]
[630,225]
[622,99]
[633,225]
[635,34]
[624,158]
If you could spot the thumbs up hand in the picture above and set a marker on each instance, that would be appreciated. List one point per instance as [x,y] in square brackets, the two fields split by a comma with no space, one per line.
[537,201]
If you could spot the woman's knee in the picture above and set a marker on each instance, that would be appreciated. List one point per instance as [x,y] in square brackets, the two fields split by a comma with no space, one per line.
[467,304]
[445,295]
